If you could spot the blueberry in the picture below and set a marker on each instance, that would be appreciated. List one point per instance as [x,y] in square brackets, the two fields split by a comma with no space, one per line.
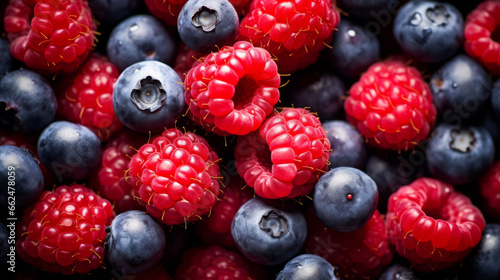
[399,272]
[4,243]
[460,89]
[27,101]
[353,50]
[459,154]
[69,150]
[21,180]
[140,38]
[429,31]
[486,256]
[307,267]
[135,242]
[495,99]
[367,9]
[148,96]
[110,12]
[348,146]
[267,232]
[205,25]
[5,57]
[345,198]
[326,89]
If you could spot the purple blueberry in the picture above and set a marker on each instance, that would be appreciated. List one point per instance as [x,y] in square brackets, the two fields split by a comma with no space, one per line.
[495,99]
[5,57]
[348,146]
[110,12]
[368,9]
[307,267]
[206,25]
[399,272]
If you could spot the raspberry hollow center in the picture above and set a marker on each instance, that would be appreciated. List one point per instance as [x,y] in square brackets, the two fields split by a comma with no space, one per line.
[244,92]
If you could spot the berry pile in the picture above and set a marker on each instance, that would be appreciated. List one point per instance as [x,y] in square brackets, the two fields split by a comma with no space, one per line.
[250,139]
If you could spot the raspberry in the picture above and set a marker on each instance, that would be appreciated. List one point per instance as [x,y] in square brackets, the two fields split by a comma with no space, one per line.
[490,191]
[64,231]
[109,180]
[215,262]
[431,225]
[360,254]
[286,156]
[86,96]
[185,58]
[232,90]
[481,35]
[216,230]
[391,105]
[175,176]
[50,35]
[293,31]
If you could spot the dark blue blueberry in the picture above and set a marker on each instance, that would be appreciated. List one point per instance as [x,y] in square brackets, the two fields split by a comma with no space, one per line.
[206,25]
[135,242]
[6,59]
[27,101]
[486,256]
[353,49]
[460,89]
[110,12]
[317,89]
[4,243]
[345,198]
[380,10]
[307,267]
[69,150]
[21,180]
[148,96]
[267,232]
[459,154]
[429,31]
[399,272]
[348,146]
[495,99]
[140,38]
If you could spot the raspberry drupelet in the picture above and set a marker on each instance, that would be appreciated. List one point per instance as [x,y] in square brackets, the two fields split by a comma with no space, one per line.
[176,176]
[50,36]
[391,106]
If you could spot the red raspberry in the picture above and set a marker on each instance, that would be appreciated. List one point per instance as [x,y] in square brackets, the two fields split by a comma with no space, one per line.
[64,230]
[481,35]
[391,105]
[216,230]
[431,225]
[490,191]
[50,35]
[86,96]
[185,59]
[215,262]
[110,178]
[286,156]
[233,90]
[175,176]
[293,31]
[360,254]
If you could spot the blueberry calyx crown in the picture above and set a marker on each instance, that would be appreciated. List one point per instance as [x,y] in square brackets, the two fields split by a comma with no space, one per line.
[205,18]
[274,224]
[148,94]
[8,117]
[438,15]
[462,140]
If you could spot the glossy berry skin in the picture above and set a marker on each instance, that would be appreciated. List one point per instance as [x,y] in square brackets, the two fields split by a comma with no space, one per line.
[111,12]
[134,242]
[50,36]
[459,154]
[5,57]
[348,146]
[21,179]
[64,231]
[432,225]
[215,262]
[391,105]
[361,254]
[490,190]
[71,151]
[486,256]
[429,31]
[175,176]
[285,158]
[27,101]
[353,49]
[399,272]
[148,96]
[267,232]
[4,245]
[86,97]
[110,179]
[460,89]
[307,267]
[367,9]
[293,31]
[233,90]
[480,43]
[140,38]
[207,25]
